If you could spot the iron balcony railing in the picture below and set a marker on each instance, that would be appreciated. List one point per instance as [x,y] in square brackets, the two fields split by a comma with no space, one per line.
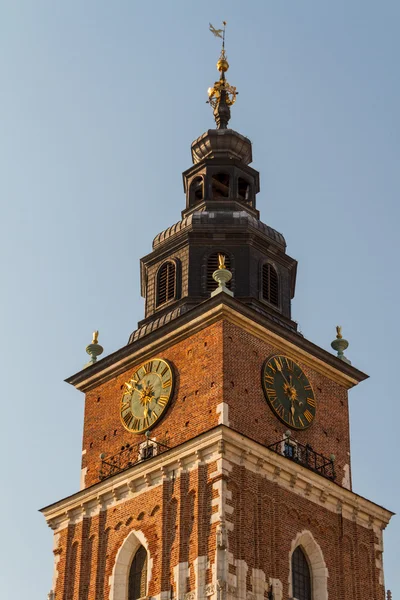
[129,455]
[306,456]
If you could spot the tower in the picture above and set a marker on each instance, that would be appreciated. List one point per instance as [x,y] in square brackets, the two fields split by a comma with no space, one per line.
[216,451]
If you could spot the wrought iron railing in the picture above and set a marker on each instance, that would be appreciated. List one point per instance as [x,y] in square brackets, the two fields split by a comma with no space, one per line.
[129,455]
[306,456]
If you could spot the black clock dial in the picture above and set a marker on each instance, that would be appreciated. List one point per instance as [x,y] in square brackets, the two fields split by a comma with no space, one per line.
[288,392]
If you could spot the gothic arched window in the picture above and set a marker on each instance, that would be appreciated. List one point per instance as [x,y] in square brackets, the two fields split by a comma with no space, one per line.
[212,265]
[270,284]
[220,186]
[166,283]
[138,575]
[301,577]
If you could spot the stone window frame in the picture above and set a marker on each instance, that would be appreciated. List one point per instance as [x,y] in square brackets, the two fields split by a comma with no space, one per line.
[278,274]
[177,290]
[318,569]
[192,201]
[119,580]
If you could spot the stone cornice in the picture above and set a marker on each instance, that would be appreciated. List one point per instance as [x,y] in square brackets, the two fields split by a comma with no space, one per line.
[220,443]
[221,307]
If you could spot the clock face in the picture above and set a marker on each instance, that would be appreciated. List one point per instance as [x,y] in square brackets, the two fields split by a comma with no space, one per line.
[288,392]
[146,395]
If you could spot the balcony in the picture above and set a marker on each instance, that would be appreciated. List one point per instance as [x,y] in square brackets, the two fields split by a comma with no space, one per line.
[306,457]
[129,455]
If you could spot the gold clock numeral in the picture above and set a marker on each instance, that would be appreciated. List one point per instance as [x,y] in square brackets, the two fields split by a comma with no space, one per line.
[280,410]
[307,388]
[128,418]
[147,368]
[146,421]
[125,406]
[164,371]
[271,367]
[308,415]
[311,402]
[290,364]
[279,363]
[271,393]
[269,379]
[162,401]
[166,383]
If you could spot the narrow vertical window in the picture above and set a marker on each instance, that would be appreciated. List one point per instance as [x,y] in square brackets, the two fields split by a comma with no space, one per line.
[196,190]
[166,283]
[301,578]
[243,189]
[220,186]
[138,575]
[270,284]
[212,265]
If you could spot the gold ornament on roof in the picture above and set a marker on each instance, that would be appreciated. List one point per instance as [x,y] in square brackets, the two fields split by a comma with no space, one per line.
[222,93]
[339,335]
[95,339]
[221,261]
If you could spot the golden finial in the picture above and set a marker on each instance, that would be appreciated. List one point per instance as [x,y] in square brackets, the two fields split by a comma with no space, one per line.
[221,261]
[339,332]
[222,95]
[95,339]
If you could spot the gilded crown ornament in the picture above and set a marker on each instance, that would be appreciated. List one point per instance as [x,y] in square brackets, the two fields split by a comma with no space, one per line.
[94,349]
[222,95]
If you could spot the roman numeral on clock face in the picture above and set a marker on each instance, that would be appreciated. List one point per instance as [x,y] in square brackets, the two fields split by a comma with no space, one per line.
[308,415]
[128,418]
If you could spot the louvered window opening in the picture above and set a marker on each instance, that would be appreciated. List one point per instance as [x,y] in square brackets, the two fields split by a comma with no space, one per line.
[301,578]
[212,265]
[270,285]
[138,575]
[166,282]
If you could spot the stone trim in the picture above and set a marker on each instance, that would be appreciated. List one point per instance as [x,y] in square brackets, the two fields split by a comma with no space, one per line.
[318,570]
[208,447]
[120,576]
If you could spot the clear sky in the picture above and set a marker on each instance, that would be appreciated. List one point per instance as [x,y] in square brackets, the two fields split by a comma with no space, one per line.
[99,104]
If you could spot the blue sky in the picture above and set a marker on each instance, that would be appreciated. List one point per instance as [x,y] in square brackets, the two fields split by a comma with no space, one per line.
[99,104]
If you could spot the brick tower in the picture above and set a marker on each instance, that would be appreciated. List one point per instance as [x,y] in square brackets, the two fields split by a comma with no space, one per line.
[216,451]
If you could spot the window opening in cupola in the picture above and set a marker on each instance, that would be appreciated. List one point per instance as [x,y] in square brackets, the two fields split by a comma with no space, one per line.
[138,575]
[243,189]
[301,577]
[212,265]
[270,284]
[166,283]
[220,186]
[196,190]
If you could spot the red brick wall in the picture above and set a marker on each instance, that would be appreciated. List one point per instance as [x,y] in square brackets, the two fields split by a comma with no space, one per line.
[175,520]
[221,363]
[198,369]
[249,413]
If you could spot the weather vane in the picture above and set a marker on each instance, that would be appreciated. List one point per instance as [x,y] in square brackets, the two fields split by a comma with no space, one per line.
[222,95]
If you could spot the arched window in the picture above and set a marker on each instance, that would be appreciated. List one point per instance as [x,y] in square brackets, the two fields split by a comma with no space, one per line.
[166,283]
[138,575]
[212,265]
[220,186]
[270,284]
[196,190]
[243,189]
[301,578]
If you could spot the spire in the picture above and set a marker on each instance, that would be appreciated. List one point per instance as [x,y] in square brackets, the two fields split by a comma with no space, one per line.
[222,95]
